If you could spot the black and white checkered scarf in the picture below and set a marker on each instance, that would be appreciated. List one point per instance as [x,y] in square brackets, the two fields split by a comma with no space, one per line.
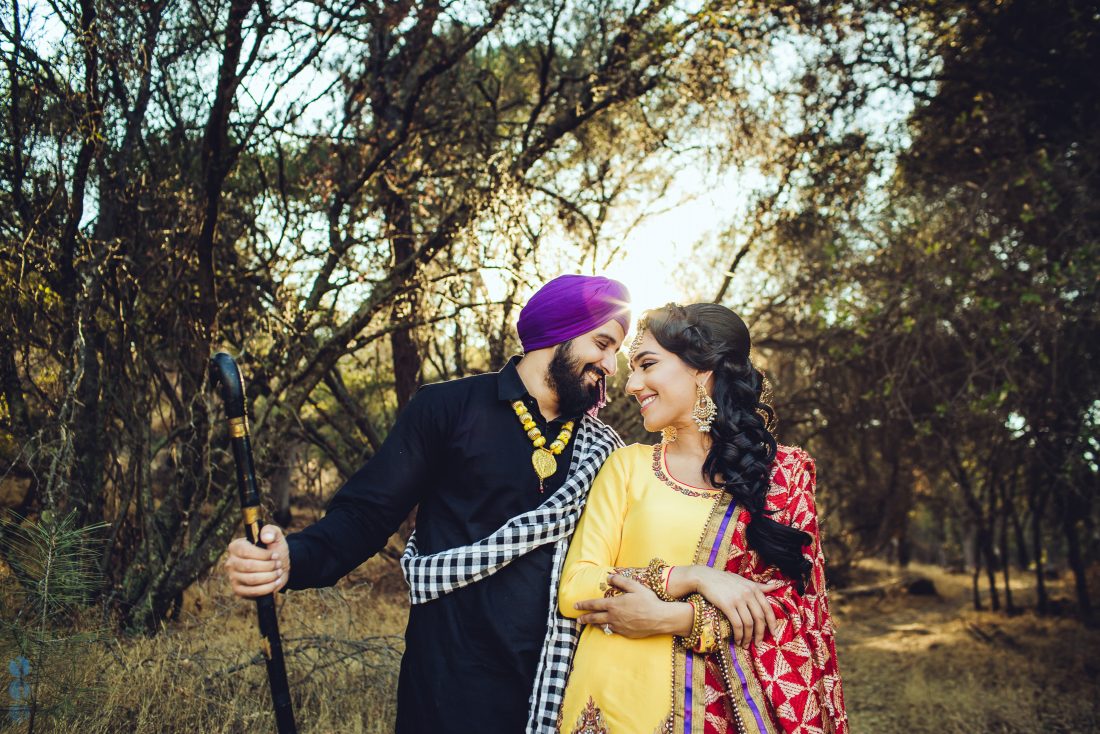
[431,576]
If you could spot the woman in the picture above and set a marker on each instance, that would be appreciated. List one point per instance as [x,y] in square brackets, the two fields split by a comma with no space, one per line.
[697,564]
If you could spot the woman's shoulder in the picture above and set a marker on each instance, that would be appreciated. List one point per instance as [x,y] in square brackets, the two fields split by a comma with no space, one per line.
[623,464]
[629,460]
[635,453]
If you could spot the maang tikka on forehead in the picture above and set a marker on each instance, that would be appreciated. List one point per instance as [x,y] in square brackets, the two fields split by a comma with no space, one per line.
[637,342]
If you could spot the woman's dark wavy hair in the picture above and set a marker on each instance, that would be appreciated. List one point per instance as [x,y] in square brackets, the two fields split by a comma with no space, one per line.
[710,337]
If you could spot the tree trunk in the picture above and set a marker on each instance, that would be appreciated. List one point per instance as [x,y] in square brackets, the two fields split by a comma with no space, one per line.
[1075,558]
[1042,603]
[406,356]
[981,543]
[90,432]
[1006,510]
[461,369]
[976,574]
[986,540]
[218,158]
[281,475]
[986,536]
[406,353]
[904,549]
[13,389]
[1022,561]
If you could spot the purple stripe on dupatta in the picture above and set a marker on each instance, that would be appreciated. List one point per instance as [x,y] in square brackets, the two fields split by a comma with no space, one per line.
[687,692]
[733,648]
[745,688]
[721,534]
[690,657]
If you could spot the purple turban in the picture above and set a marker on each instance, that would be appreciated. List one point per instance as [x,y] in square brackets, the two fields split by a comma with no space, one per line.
[571,305]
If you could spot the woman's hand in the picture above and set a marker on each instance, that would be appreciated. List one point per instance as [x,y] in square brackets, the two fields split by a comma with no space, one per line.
[637,612]
[741,600]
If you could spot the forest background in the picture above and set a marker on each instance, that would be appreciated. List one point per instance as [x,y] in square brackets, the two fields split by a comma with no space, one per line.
[355,198]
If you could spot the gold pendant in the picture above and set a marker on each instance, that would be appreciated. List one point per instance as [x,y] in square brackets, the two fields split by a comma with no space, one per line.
[545,463]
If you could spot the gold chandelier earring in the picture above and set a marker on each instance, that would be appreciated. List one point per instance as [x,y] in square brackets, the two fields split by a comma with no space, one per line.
[704,411]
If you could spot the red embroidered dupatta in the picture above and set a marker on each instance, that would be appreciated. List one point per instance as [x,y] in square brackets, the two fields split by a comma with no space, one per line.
[789,685]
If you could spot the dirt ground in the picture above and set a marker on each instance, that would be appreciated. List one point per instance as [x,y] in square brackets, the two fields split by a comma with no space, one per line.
[932,664]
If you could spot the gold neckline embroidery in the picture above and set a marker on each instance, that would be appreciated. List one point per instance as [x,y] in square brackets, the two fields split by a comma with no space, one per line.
[660,472]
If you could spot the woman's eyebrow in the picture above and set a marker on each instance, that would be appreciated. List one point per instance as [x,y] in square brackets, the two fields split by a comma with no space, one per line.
[639,355]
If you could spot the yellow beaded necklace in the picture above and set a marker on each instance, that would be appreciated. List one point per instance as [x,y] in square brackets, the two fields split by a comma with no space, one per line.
[543,458]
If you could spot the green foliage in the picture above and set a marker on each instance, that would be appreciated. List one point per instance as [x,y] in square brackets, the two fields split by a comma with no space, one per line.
[56,563]
[973,243]
[52,573]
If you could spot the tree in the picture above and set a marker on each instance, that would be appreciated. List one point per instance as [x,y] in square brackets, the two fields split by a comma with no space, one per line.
[316,187]
[948,291]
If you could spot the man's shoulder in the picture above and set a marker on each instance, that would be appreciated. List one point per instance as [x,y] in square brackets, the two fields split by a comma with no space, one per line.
[461,386]
[602,428]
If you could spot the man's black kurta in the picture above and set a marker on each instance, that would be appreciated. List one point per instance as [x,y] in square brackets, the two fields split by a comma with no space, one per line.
[459,451]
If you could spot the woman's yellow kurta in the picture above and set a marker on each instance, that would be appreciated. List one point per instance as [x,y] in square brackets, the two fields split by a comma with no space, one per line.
[636,512]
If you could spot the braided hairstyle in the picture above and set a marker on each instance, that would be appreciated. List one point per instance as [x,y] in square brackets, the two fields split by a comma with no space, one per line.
[710,337]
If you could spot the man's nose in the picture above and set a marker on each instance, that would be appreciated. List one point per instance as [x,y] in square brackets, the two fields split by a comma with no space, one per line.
[609,364]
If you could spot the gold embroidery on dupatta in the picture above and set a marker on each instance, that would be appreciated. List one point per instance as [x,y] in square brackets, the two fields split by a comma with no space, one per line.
[741,714]
[736,701]
[680,655]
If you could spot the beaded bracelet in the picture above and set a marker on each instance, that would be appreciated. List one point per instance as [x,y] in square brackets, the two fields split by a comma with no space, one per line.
[711,637]
[698,604]
[709,627]
[708,634]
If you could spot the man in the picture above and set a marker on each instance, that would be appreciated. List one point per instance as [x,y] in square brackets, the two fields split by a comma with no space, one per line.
[500,465]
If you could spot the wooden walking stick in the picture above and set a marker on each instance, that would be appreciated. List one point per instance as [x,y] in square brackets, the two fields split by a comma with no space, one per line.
[223,371]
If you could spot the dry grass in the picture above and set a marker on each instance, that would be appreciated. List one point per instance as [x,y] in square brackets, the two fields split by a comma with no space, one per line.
[931,664]
[910,664]
[203,673]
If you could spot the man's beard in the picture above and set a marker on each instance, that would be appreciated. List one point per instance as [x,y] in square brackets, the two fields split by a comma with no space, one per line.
[568,378]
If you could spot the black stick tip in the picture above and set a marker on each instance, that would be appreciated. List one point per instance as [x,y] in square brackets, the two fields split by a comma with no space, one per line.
[224,372]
